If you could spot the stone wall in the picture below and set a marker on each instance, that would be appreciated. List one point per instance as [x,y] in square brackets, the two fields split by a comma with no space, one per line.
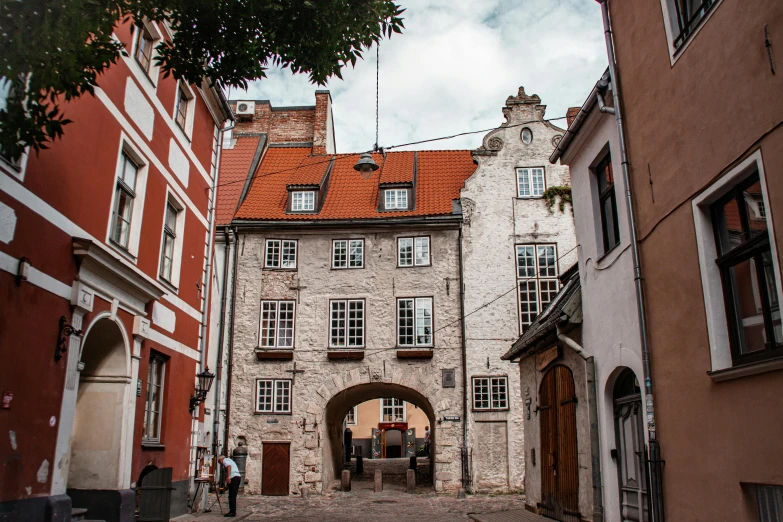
[324,392]
[495,221]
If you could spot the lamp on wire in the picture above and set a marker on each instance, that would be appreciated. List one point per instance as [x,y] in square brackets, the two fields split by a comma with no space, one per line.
[366,165]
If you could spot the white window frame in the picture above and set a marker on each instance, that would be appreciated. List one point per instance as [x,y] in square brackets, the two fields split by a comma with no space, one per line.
[491,382]
[526,281]
[147,411]
[355,412]
[527,178]
[418,302]
[190,109]
[712,285]
[416,245]
[274,409]
[346,247]
[153,30]
[393,199]
[179,235]
[277,321]
[132,250]
[672,28]
[404,406]
[17,169]
[345,327]
[300,202]
[281,245]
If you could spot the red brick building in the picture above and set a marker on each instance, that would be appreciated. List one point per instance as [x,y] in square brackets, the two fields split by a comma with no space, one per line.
[108,232]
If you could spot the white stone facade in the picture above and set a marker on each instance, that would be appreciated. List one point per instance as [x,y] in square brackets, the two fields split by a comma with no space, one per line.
[496,221]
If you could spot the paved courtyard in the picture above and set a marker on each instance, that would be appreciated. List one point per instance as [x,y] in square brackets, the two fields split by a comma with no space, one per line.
[362,504]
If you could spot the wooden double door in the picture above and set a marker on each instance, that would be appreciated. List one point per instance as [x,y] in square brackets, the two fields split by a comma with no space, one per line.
[559,460]
[276,468]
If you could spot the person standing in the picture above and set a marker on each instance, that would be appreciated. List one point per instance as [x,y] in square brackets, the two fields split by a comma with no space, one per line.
[234,478]
[427,440]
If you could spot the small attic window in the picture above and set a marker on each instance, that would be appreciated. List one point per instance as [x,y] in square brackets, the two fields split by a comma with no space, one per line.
[303,201]
[395,199]
[527,136]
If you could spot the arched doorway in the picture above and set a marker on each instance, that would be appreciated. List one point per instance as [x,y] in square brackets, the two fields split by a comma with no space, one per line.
[629,438]
[97,443]
[559,460]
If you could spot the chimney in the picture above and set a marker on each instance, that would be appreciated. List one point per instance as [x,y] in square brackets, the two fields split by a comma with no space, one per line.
[323,135]
[571,114]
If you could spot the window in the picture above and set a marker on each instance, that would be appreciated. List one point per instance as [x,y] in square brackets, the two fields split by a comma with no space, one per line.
[414,321]
[685,16]
[280,253]
[303,201]
[351,417]
[346,324]
[413,251]
[277,324]
[273,396]
[169,239]
[144,45]
[490,393]
[761,209]
[744,259]
[395,199]
[125,193]
[607,202]
[769,501]
[537,278]
[348,253]
[153,408]
[181,113]
[530,182]
[526,136]
[392,410]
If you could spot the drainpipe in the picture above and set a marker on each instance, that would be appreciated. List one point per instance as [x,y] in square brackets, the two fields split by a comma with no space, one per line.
[231,339]
[465,458]
[595,450]
[219,371]
[655,493]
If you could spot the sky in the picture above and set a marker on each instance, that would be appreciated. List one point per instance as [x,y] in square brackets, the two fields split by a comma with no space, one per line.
[452,69]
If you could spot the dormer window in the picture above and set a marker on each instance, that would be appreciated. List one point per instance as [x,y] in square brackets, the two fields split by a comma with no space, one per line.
[303,201]
[395,199]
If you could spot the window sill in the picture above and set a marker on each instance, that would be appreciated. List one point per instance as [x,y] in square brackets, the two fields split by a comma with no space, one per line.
[746,370]
[168,285]
[414,266]
[338,354]
[122,251]
[529,197]
[153,446]
[263,354]
[277,269]
[145,73]
[287,413]
[414,353]
[608,253]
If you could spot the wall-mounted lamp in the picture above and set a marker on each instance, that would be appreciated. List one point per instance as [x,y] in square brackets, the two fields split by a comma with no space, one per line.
[65,332]
[205,379]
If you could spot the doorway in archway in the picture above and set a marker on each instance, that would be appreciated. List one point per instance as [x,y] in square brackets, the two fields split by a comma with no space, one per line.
[630,441]
[387,428]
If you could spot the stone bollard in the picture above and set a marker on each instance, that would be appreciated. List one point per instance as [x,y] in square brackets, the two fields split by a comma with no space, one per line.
[412,464]
[359,465]
[345,483]
[461,495]
[411,476]
[378,481]
[305,492]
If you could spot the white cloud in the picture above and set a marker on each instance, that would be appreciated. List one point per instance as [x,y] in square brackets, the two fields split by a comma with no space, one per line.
[453,68]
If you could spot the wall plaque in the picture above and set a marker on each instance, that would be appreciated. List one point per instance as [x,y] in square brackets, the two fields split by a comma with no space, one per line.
[544,359]
[449,378]
[453,418]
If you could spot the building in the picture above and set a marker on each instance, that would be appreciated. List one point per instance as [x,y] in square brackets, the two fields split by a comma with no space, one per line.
[104,247]
[515,245]
[387,428]
[701,112]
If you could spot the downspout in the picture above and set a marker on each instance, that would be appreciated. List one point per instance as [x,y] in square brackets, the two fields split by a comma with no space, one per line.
[465,457]
[231,339]
[219,370]
[655,494]
[592,408]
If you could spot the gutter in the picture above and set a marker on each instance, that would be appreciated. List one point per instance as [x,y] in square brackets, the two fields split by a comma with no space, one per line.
[447,219]
[465,457]
[219,370]
[231,340]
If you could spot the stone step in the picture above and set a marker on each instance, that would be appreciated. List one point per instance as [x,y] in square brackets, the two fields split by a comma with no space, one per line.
[78,514]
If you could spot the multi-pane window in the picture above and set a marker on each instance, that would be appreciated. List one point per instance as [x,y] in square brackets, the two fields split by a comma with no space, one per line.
[530,182]
[686,15]
[346,324]
[277,324]
[153,408]
[273,396]
[537,279]
[749,284]
[123,201]
[413,251]
[607,202]
[303,201]
[490,393]
[280,253]
[181,113]
[169,238]
[395,199]
[348,253]
[144,45]
[350,418]
[393,410]
[414,321]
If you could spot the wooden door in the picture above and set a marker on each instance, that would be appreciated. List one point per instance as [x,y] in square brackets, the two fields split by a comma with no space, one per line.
[275,468]
[559,460]
[629,437]
[155,496]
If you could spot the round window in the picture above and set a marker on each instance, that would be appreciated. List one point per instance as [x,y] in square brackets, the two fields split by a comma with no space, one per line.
[527,136]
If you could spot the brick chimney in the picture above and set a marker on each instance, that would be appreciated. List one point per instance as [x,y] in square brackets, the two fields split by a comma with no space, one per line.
[571,114]
[323,134]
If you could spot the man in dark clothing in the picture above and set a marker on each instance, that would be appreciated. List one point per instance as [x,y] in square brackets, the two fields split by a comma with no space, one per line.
[232,472]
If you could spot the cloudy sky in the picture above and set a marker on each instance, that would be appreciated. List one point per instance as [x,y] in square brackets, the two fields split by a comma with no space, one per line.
[452,69]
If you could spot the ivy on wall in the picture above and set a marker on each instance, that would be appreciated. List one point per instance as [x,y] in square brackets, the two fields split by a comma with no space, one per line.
[563,192]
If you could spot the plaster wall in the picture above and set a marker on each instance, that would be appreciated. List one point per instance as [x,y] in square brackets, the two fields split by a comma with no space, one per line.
[495,221]
[369,415]
[341,384]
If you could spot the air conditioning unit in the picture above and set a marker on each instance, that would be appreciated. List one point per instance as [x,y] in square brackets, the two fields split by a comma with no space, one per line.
[246,108]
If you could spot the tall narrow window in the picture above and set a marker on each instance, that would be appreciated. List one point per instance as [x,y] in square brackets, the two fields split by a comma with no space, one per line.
[277,324]
[348,253]
[123,201]
[351,417]
[607,202]
[530,182]
[144,45]
[280,253]
[414,321]
[273,396]
[537,279]
[303,201]
[687,15]
[153,408]
[181,113]
[169,238]
[749,283]
[393,410]
[346,325]
[490,393]
[413,251]
[395,199]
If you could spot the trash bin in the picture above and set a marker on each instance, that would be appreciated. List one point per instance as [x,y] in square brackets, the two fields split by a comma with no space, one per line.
[347,444]
[239,455]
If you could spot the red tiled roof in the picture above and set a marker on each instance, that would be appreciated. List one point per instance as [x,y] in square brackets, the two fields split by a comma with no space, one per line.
[234,167]
[440,176]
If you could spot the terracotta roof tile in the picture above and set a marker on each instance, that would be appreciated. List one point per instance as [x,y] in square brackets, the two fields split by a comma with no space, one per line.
[234,167]
[398,168]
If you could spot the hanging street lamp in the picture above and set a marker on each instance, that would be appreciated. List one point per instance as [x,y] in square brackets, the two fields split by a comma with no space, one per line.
[366,165]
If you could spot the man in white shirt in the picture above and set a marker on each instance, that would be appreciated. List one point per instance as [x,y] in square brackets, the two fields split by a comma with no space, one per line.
[232,472]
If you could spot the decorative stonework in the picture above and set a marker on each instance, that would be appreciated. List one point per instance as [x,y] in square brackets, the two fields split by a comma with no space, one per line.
[495,143]
[556,139]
